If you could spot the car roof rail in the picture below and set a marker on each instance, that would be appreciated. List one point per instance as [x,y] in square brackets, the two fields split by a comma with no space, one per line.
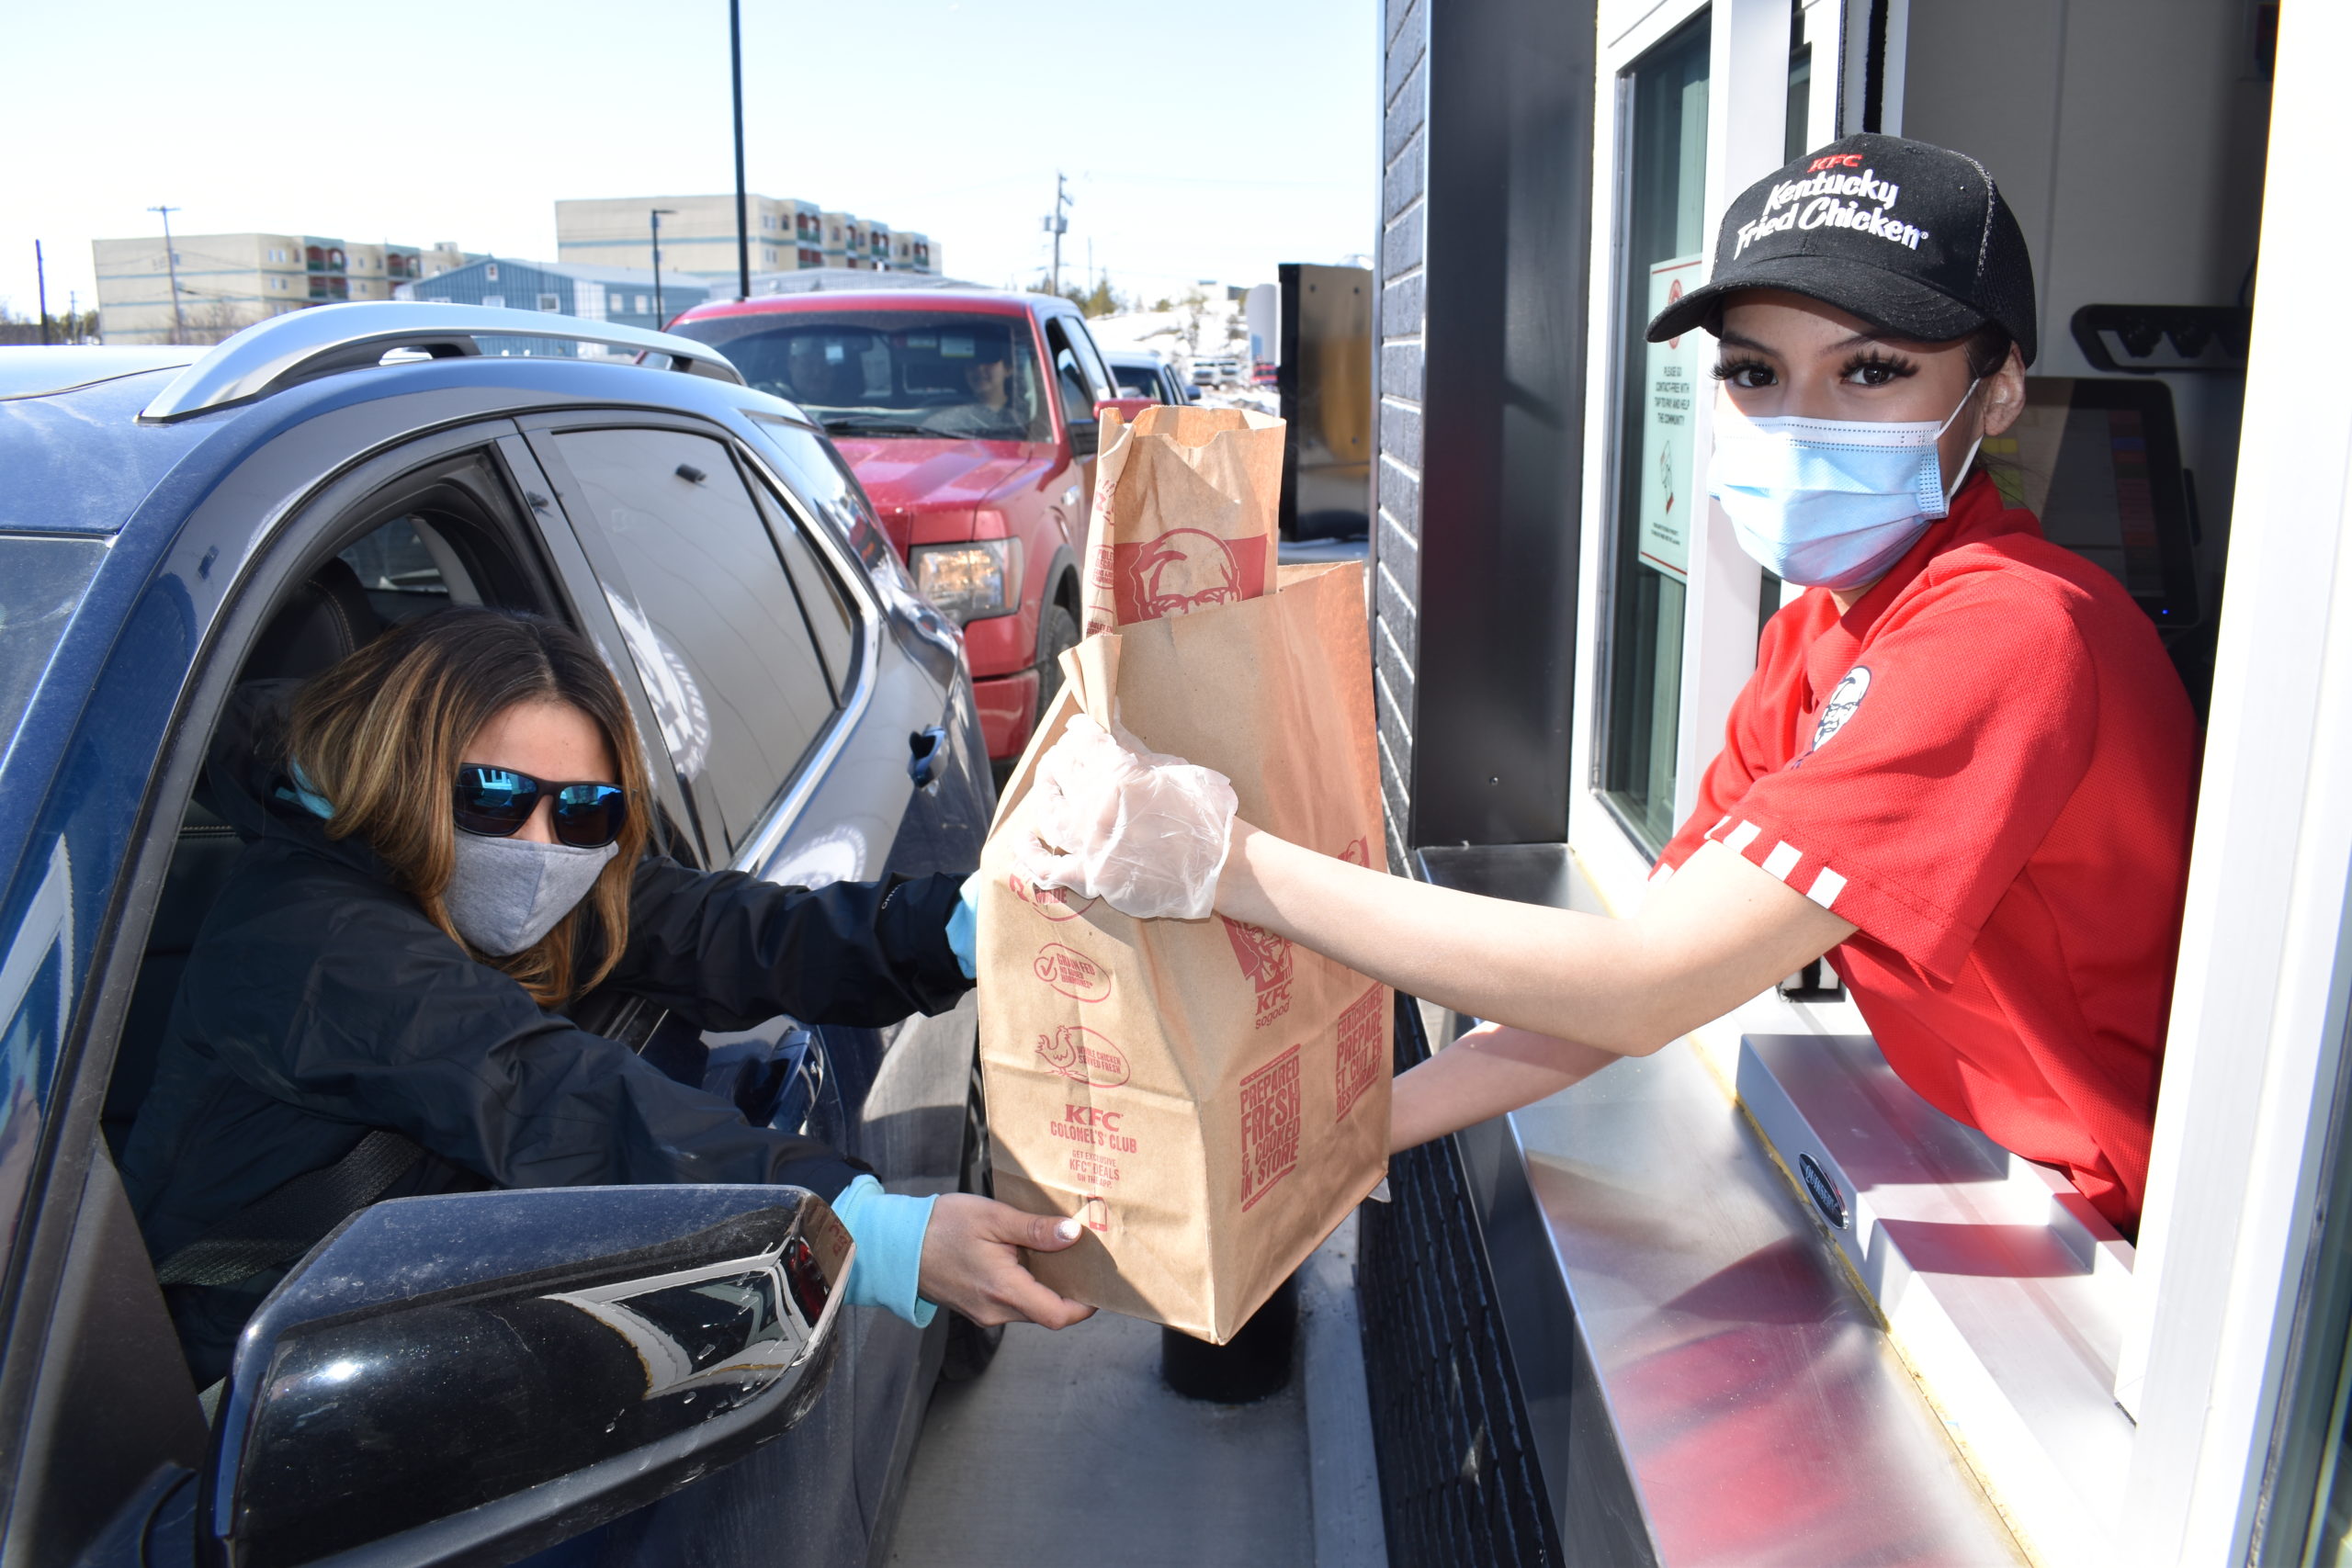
[323,340]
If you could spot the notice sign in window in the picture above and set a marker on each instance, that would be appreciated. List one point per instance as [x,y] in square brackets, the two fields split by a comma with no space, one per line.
[1671,374]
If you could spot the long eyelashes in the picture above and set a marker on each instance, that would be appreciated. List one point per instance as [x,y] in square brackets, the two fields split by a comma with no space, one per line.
[1871,368]
[1877,369]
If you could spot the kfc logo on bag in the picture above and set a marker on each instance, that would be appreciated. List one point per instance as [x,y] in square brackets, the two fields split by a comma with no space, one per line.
[1183,571]
[1266,959]
[1072,973]
[1358,852]
[1053,903]
[1081,1056]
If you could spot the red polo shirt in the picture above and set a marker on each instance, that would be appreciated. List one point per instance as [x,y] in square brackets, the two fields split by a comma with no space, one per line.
[1987,765]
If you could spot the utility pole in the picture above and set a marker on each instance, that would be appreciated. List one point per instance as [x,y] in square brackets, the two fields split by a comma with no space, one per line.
[742,220]
[40,287]
[1058,225]
[172,262]
[72,316]
[657,214]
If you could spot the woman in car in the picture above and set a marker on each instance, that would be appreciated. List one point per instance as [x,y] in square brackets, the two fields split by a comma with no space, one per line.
[447,839]
[1963,764]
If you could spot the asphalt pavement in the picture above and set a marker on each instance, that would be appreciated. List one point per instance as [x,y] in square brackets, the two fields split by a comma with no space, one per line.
[1069,1451]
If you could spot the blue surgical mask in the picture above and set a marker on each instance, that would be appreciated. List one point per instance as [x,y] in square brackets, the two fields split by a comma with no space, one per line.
[1829,502]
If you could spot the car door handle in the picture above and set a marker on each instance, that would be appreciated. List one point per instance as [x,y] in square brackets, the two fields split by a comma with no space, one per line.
[926,744]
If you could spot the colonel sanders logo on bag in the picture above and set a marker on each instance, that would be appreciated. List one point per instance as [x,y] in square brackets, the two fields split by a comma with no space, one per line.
[1265,958]
[1184,570]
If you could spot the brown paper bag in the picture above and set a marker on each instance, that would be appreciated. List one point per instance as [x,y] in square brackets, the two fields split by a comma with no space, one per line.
[1184,514]
[1209,1098]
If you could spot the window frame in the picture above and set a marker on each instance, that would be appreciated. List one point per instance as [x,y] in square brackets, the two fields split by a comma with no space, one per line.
[1081,431]
[2220,1295]
[2257,1039]
[772,826]
[63,1222]
[1603,541]
[540,432]
[839,554]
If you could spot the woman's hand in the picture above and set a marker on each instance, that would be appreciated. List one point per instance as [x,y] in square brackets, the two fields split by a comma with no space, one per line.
[971,1261]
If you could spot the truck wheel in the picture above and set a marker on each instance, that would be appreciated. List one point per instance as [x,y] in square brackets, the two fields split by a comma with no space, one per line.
[1057,632]
[970,1348]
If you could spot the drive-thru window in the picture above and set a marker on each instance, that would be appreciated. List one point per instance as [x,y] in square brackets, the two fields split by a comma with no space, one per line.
[1753,1299]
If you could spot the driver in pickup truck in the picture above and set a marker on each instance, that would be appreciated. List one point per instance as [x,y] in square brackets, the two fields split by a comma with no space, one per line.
[1963,767]
[825,373]
[988,376]
[446,848]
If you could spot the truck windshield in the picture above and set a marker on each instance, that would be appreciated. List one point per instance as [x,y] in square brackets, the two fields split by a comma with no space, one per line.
[41,582]
[892,372]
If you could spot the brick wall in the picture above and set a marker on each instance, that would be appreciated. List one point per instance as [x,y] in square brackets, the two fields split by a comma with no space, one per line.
[1396,482]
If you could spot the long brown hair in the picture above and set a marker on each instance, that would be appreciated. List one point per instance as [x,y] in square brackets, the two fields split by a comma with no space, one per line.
[380,735]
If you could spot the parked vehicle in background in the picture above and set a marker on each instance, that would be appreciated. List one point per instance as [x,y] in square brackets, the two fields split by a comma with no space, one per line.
[971,419]
[1217,369]
[183,527]
[1143,374]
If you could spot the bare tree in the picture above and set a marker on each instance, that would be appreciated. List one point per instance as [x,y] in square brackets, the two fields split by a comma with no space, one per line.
[1193,312]
[63,327]
[213,321]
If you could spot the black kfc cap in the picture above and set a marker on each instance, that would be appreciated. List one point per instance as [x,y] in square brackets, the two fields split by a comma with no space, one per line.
[1913,239]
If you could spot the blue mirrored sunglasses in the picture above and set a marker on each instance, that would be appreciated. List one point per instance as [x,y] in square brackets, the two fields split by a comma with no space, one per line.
[496,802]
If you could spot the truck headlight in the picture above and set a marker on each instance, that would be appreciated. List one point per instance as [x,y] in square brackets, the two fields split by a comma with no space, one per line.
[971,581]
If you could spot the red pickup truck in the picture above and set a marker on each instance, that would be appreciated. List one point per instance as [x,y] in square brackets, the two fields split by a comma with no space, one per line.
[972,420]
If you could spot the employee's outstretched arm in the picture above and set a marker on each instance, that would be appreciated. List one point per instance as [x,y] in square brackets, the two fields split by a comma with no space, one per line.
[1705,940]
[1566,993]
[1569,992]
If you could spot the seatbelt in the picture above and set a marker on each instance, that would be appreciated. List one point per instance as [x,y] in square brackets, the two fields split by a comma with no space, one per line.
[292,1217]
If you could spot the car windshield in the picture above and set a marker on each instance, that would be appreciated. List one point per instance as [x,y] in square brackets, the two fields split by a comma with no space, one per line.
[41,582]
[891,372]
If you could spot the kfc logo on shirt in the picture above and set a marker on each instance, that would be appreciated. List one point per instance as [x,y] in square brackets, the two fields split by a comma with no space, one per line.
[1841,705]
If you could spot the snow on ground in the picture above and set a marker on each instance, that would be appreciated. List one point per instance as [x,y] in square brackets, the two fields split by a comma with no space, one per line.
[1199,324]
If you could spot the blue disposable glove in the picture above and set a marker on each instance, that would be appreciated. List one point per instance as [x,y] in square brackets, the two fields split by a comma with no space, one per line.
[964,929]
[888,1229]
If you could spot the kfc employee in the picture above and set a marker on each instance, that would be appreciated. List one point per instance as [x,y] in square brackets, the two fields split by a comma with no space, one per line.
[1963,768]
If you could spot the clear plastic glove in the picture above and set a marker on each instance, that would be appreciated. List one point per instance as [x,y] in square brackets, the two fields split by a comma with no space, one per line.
[1145,834]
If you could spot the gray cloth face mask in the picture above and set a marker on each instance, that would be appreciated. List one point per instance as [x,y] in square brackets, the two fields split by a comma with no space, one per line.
[505,894]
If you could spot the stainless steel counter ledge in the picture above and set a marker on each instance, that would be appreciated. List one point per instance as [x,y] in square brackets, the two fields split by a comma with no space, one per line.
[1706,1382]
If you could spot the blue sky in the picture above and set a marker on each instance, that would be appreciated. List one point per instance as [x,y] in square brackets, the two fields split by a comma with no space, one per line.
[1209,139]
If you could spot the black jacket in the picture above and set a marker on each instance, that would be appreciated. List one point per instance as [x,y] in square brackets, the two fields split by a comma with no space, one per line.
[319,1003]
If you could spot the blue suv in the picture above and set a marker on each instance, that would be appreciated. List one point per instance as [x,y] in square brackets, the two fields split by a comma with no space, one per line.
[485,1376]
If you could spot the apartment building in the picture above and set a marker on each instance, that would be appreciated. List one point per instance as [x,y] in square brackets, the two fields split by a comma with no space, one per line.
[622,294]
[698,236]
[225,282]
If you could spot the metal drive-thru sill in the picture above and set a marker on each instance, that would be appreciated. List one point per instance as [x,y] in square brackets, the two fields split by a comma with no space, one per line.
[2000,1284]
[1705,1379]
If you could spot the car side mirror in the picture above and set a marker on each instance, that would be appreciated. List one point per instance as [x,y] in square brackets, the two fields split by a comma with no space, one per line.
[479,1376]
[1129,408]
